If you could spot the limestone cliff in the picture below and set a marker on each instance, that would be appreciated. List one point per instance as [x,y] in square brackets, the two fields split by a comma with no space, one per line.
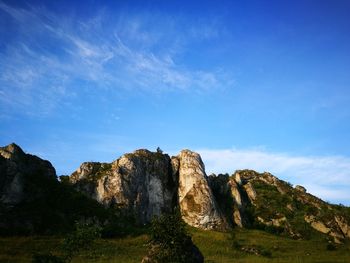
[139,183]
[196,200]
[146,184]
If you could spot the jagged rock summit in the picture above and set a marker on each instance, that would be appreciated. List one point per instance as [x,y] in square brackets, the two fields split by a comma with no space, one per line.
[140,183]
[146,184]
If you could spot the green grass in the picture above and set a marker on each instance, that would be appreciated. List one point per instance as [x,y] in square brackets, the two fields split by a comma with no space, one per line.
[215,246]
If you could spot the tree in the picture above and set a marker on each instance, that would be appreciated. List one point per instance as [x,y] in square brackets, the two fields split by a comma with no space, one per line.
[170,241]
[159,150]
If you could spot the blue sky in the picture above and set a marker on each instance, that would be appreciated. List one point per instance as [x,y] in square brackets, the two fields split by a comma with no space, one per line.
[248,84]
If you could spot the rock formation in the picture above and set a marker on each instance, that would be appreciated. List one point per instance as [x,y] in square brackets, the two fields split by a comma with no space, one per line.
[16,171]
[262,200]
[141,184]
[33,201]
[197,203]
[149,183]
[145,184]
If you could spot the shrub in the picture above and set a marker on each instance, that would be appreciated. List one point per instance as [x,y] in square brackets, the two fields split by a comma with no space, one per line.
[81,239]
[331,247]
[170,241]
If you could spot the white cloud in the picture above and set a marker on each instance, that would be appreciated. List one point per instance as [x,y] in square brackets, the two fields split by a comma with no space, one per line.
[109,52]
[325,176]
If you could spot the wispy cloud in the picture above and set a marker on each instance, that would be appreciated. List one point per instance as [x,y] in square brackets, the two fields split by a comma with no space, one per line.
[325,176]
[50,54]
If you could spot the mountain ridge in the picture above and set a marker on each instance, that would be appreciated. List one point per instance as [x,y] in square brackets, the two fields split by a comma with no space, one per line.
[144,184]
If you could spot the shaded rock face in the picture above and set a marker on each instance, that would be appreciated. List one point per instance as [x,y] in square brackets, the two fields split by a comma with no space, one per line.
[196,200]
[17,170]
[232,197]
[142,183]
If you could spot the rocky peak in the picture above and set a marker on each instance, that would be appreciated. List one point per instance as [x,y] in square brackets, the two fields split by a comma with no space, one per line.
[196,200]
[140,183]
[149,183]
[17,169]
[300,188]
[12,152]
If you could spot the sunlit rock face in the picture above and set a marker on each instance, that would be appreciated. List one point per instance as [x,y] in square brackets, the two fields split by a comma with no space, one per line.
[147,184]
[141,183]
[18,170]
[196,200]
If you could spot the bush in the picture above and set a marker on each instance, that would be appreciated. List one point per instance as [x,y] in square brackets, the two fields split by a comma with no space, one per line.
[331,247]
[170,241]
[266,253]
[81,239]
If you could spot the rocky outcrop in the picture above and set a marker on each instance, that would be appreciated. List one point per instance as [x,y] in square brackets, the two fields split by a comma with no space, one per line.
[17,170]
[33,201]
[300,188]
[262,200]
[147,184]
[142,183]
[196,200]
[343,225]
[317,225]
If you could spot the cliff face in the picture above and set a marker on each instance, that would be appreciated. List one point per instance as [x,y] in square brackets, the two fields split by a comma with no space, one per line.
[146,184]
[17,169]
[141,184]
[197,203]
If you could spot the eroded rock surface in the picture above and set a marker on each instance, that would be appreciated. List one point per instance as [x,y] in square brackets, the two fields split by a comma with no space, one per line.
[141,183]
[197,203]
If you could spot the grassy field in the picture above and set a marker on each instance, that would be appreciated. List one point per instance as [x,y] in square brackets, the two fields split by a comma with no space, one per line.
[215,246]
